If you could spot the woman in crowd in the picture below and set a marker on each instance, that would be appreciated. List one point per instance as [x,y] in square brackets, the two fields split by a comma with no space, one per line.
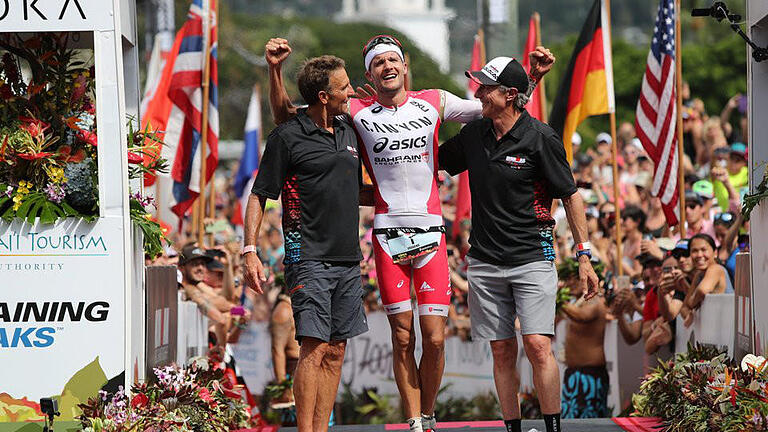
[633,226]
[710,277]
[726,233]
[603,239]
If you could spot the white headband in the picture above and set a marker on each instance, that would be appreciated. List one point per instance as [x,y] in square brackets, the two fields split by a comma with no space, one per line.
[381,49]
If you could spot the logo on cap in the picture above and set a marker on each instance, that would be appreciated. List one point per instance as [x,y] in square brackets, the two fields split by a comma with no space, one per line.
[492,71]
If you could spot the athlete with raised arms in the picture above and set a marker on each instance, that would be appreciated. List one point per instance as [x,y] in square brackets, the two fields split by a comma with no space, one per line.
[399,133]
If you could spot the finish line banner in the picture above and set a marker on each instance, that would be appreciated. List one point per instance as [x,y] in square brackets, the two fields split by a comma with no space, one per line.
[62,323]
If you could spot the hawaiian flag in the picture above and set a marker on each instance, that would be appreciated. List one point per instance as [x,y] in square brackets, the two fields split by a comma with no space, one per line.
[249,162]
[182,119]
[656,114]
[587,86]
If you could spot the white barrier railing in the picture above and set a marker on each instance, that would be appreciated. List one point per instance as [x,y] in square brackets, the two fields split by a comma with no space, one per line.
[469,364]
[192,331]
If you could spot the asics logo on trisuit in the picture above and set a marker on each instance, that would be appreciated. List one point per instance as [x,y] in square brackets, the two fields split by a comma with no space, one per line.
[399,144]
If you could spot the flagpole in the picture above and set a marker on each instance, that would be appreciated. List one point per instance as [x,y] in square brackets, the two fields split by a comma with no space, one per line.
[211,206]
[614,157]
[542,92]
[204,128]
[481,35]
[679,124]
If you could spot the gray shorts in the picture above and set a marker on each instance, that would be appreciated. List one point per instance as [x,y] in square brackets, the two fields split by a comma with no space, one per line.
[498,294]
[327,300]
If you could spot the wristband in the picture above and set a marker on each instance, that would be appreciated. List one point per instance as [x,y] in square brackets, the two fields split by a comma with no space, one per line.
[237,311]
[584,246]
[247,249]
[581,253]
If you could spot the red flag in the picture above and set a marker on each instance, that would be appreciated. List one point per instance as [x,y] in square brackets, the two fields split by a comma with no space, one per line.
[477,64]
[156,107]
[535,105]
[463,200]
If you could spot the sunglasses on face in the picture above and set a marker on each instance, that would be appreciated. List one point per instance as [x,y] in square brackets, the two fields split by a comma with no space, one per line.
[606,215]
[380,39]
[691,206]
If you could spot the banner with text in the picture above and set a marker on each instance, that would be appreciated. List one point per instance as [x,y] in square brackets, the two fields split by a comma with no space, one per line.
[62,314]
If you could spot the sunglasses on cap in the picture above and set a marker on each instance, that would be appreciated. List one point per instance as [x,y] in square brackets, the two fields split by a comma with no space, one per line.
[380,39]
[680,253]
[724,217]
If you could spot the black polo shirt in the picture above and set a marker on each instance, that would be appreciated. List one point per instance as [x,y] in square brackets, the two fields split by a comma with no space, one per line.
[318,173]
[512,182]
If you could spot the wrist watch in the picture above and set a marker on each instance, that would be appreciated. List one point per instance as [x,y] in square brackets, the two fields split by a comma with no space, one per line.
[247,249]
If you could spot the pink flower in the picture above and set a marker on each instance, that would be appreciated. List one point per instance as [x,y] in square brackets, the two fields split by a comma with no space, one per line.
[206,396]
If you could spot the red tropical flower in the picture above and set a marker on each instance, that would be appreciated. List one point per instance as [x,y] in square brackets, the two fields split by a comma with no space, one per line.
[140,400]
[88,137]
[134,158]
[206,396]
[34,156]
[33,126]
[65,154]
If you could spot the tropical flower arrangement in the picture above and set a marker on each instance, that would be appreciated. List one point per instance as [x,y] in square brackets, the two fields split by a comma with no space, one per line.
[197,398]
[704,390]
[48,136]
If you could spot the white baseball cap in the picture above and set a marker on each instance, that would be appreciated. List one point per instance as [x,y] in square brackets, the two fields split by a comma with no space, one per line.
[576,139]
[504,71]
[603,137]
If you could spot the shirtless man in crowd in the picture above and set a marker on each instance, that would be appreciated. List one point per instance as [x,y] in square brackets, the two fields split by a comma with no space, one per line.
[585,357]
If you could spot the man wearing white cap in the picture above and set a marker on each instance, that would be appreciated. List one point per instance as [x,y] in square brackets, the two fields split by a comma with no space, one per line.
[398,130]
[516,167]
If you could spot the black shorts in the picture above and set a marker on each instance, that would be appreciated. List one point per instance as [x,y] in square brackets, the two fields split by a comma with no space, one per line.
[327,299]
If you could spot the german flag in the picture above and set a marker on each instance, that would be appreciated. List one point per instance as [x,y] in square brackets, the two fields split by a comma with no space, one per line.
[587,86]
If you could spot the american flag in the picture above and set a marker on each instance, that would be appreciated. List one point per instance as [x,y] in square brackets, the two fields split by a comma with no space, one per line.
[185,90]
[656,115]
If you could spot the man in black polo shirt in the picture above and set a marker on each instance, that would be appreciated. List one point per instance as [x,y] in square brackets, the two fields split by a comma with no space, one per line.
[312,159]
[516,165]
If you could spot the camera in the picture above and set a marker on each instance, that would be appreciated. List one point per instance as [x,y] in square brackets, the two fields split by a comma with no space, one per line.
[49,407]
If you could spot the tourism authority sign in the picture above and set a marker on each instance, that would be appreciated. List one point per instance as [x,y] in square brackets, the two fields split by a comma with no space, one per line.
[62,323]
[55,15]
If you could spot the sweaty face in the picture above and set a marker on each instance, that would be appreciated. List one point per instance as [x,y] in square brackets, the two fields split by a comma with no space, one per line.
[339,93]
[387,72]
[494,100]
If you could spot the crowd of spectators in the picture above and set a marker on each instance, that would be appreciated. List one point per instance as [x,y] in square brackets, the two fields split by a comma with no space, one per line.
[666,274]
